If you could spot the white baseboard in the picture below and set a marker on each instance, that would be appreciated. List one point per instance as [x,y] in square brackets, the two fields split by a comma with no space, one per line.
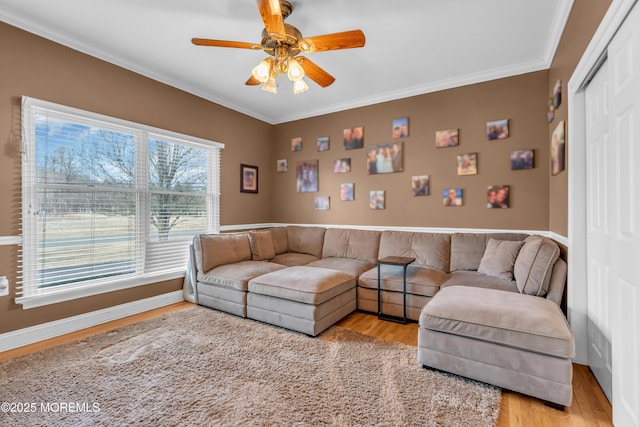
[33,334]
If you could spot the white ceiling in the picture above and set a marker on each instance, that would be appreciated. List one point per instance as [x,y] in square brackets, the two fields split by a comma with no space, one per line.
[412,46]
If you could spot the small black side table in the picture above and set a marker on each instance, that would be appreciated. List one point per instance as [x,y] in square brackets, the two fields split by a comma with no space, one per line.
[400,261]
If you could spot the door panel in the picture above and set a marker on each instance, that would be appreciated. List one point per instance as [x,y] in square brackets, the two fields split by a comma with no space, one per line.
[600,197]
[624,59]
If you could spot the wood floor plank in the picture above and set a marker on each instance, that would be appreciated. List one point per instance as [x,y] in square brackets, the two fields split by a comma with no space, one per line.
[590,406]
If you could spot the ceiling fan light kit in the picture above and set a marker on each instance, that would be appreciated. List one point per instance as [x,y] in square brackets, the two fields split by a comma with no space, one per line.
[284,43]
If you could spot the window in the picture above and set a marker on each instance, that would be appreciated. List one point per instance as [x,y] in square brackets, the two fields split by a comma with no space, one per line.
[108,204]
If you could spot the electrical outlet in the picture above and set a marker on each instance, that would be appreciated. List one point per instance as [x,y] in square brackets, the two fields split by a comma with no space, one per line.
[4,286]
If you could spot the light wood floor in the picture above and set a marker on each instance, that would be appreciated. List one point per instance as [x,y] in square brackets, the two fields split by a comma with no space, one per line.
[590,406]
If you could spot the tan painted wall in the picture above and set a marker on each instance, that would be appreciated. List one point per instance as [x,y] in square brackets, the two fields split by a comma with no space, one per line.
[520,99]
[583,22]
[42,69]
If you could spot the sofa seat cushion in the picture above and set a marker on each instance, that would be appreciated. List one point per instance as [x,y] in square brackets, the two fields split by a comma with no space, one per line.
[237,275]
[354,267]
[511,319]
[307,285]
[478,280]
[420,280]
[291,259]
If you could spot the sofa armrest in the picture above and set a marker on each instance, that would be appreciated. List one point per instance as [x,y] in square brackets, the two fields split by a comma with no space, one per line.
[558,281]
[190,278]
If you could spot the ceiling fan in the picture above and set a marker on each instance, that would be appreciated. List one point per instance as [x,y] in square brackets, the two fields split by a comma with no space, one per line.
[284,44]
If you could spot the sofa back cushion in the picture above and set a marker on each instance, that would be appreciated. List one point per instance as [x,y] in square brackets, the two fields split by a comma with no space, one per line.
[534,265]
[261,245]
[220,249]
[279,239]
[467,249]
[429,249]
[349,243]
[305,240]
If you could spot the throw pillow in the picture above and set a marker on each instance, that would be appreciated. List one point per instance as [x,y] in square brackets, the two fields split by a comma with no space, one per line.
[534,265]
[499,258]
[261,245]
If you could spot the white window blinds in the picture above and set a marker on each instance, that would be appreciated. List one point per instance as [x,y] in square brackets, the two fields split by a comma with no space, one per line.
[107,201]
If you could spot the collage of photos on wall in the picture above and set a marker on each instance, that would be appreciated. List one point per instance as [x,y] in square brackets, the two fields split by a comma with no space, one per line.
[389,158]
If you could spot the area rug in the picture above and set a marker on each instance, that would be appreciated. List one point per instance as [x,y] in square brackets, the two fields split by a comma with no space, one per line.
[202,367]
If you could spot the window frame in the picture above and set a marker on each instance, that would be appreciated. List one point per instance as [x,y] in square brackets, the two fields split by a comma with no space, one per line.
[29,295]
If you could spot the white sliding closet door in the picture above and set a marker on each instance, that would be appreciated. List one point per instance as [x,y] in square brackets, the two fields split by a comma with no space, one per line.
[613,222]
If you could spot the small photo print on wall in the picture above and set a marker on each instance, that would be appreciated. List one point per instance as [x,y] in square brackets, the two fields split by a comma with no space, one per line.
[321,203]
[385,158]
[498,196]
[468,164]
[296,144]
[342,165]
[452,197]
[498,129]
[376,199]
[557,94]
[557,149]
[420,185]
[400,128]
[282,165]
[353,138]
[323,143]
[346,191]
[307,176]
[447,138]
[521,159]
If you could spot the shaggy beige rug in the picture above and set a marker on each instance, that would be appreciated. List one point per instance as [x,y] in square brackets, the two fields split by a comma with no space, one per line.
[203,367]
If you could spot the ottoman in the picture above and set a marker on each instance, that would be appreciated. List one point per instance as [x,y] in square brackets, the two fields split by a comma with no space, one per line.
[515,341]
[300,298]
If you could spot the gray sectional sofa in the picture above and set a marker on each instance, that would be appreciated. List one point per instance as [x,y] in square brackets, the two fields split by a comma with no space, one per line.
[488,304]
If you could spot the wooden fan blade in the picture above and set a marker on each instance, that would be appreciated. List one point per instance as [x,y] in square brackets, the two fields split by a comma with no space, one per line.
[272,17]
[225,43]
[314,72]
[252,81]
[334,41]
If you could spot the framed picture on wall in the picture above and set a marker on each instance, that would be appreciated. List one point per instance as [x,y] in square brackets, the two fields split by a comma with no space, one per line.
[353,138]
[498,129]
[307,176]
[447,138]
[468,164]
[342,165]
[296,144]
[347,192]
[376,199]
[521,159]
[321,203]
[498,196]
[400,128]
[452,197]
[420,185]
[385,158]
[282,165]
[323,143]
[557,149]
[248,179]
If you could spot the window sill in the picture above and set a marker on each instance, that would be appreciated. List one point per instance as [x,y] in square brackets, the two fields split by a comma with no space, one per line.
[39,300]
